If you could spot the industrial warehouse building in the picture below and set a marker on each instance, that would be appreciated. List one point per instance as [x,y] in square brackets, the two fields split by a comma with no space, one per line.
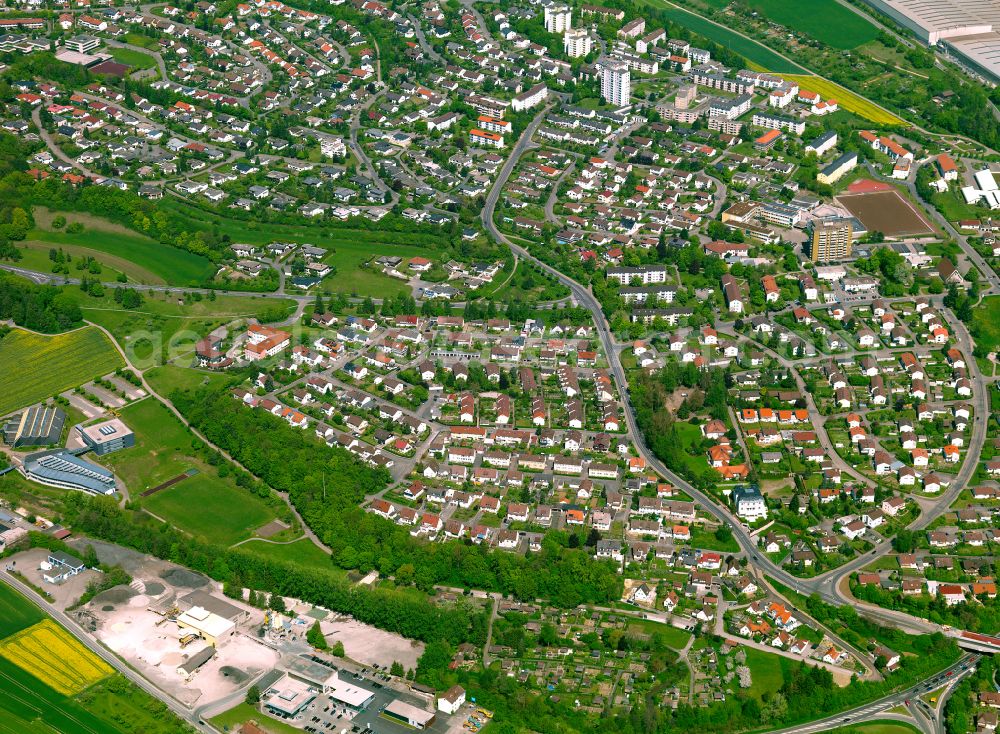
[107,437]
[351,696]
[39,425]
[970,27]
[218,607]
[211,627]
[288,697]
[408,714]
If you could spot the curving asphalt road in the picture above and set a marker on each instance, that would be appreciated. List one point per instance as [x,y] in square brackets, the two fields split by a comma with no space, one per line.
[831,587]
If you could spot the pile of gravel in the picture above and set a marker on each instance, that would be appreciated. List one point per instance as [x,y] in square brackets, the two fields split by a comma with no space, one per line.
[183,578]
[115,595]
[154,588]
[234,674]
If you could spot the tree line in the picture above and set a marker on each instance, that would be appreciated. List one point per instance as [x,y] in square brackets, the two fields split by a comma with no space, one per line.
[42,308]
[395,611]
[328,484]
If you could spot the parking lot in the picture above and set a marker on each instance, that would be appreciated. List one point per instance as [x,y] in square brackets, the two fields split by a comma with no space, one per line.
[325,715]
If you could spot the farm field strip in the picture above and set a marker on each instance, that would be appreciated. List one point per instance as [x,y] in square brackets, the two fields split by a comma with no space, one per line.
[32,711]
[57,659]
[16,613]
[37,366]
[825,20]
[847,99]
[746,47]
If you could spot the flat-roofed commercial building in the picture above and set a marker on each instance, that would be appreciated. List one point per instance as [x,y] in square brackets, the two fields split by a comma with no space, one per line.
[107,437]
[349,695]
[319,676]
[288,697]
[409,714]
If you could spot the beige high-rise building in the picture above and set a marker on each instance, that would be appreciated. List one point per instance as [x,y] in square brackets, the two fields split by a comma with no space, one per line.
[831,241]
[616,84]
[577,42]
[558,18]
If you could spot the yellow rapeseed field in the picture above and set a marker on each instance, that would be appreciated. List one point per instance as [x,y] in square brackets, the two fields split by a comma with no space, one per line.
[847,99]
[55,657]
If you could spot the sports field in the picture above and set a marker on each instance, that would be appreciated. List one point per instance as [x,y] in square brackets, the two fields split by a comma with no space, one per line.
[211,508]
[825,20]
[886,212]
[847,99]
[204,504]
[134,58]
[36,367]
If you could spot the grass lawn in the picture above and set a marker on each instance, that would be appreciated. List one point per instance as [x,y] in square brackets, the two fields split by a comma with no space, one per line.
[29,707]
[953,208]
[167,378]
[985,323]
[161,263]
[167,327]
[674,637]
[302,553]
[354,280]
[824,20]
[224,512]
[137,39]
[167,264]
[135,59]
[69,361]
[35,256]
[690,435]
[878,727]
[229,720]
[767,671]
[348,248]
[755,52]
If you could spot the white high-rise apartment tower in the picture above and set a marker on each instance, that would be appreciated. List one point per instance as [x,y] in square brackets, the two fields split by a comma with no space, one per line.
[616,82]
[558,18]
[577,42]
